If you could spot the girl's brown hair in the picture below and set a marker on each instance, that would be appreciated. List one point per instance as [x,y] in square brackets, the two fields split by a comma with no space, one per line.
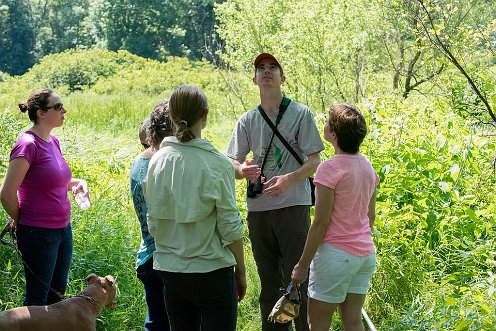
[187,105]
[161,125]
[349,125]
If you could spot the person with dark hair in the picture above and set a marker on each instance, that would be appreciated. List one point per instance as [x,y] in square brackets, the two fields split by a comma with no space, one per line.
[339,249]
[279,212]
[193,216]
[34,195]
[154,128]
[143,133]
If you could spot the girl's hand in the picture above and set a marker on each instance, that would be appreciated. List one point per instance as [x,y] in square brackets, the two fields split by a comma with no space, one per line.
[299,274]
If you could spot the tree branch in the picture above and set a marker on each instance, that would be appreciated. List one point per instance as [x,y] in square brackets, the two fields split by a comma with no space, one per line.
[445,50]
[432,75]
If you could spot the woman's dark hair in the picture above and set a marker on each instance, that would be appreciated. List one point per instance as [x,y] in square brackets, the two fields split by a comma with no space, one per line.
[349,125]
[38,100]
[187,105]
[144,132]
[161,125]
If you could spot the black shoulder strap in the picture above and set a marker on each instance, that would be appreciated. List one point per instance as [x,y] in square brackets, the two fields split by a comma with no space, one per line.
[277,133]
[282,108]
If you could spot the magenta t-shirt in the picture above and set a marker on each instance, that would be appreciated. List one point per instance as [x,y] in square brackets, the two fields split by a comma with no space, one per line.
[43,199]
[354,180]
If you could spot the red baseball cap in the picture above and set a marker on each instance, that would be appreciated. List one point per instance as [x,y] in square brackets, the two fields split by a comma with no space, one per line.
[265,56]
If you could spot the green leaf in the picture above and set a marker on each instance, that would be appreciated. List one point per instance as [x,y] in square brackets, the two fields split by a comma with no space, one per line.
[462,325]
[450,301]
[472,215]
[485,308]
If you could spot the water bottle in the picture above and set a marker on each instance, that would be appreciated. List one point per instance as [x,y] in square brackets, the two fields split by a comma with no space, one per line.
[82,200]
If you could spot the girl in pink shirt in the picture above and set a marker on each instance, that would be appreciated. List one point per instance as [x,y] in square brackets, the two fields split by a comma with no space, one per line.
[339,249]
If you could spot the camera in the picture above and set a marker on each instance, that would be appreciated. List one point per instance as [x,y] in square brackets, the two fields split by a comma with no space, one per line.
[254,187]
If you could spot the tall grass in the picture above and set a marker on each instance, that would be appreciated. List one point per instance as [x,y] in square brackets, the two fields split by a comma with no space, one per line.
[99,140]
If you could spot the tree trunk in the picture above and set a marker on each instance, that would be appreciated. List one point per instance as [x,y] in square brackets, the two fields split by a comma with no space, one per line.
[399,67]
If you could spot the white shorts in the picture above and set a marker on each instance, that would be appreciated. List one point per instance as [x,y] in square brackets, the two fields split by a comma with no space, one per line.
[334,273]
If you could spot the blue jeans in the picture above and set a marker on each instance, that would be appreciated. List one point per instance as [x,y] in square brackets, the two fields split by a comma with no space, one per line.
[48,252]
[201,301]
[156,317]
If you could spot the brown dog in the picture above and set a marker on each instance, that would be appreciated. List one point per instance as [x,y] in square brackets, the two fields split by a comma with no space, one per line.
[76,313]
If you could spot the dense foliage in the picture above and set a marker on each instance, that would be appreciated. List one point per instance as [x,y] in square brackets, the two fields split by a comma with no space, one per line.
[17,40]
[349,50]
[153,29]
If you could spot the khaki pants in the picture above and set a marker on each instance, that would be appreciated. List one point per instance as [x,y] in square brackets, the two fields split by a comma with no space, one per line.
[278,238]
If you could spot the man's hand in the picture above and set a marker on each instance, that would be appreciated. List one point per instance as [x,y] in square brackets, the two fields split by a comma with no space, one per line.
[277,185]
[249,170]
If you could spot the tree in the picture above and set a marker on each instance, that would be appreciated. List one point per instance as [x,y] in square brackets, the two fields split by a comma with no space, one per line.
[326,47]
[200,35]
[61,25]
[17,37]
[413,61]
[453,29]
[159,28]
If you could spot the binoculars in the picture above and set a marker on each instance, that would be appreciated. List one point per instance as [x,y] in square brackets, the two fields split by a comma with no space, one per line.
[254,188]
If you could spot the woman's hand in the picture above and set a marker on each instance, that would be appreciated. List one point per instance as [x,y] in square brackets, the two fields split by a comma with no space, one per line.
[80,185]
[8,191]
[240,283]
[13,223]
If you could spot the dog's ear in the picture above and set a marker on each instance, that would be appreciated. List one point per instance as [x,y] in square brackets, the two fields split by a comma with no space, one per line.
[111,287]
[91,278]
[110,279]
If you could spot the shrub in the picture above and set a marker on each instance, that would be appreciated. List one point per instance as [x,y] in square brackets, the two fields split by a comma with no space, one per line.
[76,70]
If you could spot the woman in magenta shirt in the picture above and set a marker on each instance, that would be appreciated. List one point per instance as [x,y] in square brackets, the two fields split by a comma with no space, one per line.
[34,194]
[339,249]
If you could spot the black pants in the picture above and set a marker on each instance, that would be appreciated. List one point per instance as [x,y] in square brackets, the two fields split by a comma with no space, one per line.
[278,238]
[156,317]
[201,300]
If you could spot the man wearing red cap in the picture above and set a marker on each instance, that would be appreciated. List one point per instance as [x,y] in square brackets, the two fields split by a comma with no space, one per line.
[278,212]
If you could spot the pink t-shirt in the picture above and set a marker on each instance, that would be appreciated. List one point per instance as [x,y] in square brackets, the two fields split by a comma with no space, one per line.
[354,181]
[43,199]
